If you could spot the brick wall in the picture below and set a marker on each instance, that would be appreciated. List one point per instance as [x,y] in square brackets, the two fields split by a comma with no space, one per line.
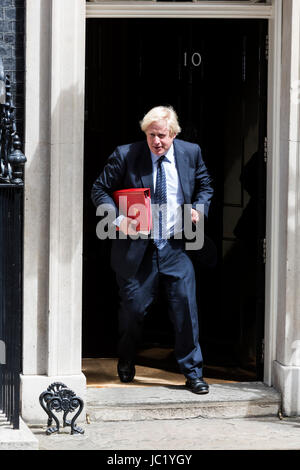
[12,39]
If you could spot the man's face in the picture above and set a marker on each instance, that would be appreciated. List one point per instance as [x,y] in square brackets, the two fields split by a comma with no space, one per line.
[159,138]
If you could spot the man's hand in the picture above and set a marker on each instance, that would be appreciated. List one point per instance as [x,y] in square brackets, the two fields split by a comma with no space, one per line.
[195,215]
[128,226]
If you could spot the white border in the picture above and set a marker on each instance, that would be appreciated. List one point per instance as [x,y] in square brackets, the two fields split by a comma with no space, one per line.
[238,10]
[272,193]
[54,140]
[142,9]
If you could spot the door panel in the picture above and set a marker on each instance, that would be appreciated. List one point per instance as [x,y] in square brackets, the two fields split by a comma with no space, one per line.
[214,74]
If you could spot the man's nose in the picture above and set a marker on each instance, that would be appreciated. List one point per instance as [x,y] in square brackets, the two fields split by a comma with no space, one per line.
[156,140]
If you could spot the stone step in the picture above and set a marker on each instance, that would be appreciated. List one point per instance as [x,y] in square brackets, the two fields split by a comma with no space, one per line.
[16,439]
[226,400]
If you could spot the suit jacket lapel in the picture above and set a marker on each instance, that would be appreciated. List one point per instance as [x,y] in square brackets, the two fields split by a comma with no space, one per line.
[182,165]
[146,170]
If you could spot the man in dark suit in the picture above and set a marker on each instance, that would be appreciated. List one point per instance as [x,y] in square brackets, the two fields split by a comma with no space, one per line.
[176,175]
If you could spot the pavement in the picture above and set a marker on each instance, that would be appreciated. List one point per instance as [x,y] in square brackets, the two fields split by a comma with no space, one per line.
[156,424]
[262,433]
[235,416]
[16,439]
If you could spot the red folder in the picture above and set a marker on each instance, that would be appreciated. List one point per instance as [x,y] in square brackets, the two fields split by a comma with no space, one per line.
[136,204]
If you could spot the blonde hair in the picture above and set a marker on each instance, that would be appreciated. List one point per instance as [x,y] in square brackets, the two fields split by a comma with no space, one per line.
[165,113]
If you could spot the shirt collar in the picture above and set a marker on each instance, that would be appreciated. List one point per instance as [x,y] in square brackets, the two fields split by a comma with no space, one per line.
[169,155]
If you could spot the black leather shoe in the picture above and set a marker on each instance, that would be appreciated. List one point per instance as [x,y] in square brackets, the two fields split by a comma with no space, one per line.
[197,386]
[126,370]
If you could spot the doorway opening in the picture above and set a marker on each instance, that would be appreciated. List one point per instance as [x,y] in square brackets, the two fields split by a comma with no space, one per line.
[214,73]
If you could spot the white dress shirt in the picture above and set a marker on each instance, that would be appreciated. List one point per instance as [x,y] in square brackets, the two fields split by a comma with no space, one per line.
[174,192]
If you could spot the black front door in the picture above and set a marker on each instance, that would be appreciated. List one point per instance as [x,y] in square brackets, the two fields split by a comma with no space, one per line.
[213,72]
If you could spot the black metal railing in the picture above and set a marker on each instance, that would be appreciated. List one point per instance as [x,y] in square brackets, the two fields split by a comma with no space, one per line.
[12,162]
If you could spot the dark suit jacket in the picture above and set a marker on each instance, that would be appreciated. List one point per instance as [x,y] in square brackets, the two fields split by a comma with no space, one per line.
[130,166]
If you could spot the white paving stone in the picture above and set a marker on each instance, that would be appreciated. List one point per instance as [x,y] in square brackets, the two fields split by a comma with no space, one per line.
[16,439]
[265,433]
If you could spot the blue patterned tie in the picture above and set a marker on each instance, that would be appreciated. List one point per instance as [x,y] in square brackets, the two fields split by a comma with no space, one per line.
[160,197]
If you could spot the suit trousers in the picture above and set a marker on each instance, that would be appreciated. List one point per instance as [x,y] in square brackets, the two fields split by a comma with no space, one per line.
[172,267]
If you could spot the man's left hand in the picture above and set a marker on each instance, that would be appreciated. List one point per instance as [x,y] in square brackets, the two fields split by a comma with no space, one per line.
[195,215]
